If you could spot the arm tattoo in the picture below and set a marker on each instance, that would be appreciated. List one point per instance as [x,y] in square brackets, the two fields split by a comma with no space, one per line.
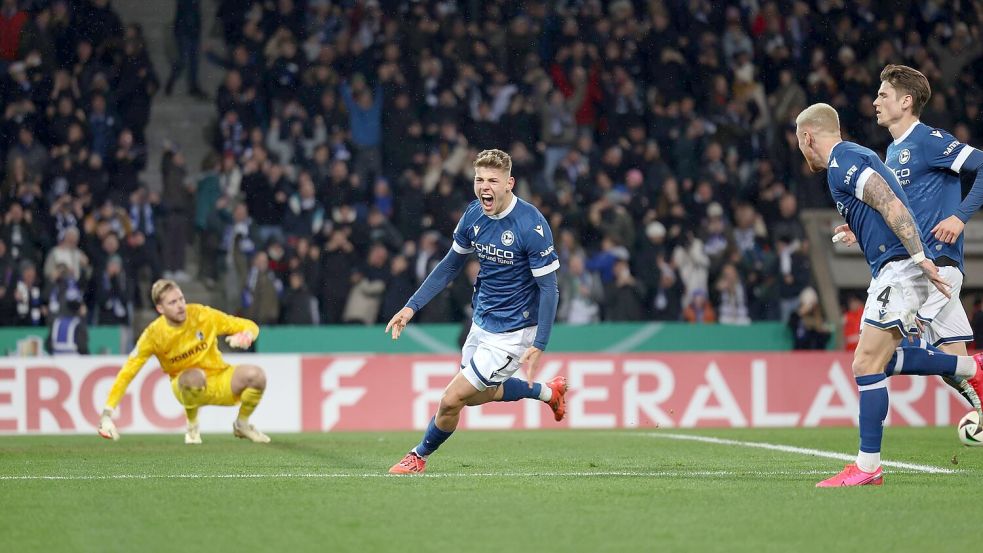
[879,195]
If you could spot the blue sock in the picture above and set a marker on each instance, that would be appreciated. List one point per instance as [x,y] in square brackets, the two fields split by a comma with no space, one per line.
[920,358]
[515,389]
[431,439]
[873,411]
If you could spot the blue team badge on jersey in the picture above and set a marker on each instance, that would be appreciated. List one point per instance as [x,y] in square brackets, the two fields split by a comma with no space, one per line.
[200,335]
[904,156]
[508,238]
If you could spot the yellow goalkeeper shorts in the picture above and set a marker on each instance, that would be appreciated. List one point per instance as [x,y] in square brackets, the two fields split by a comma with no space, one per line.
[218,389]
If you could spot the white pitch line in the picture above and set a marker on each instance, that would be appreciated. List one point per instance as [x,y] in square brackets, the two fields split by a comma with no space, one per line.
[911,467]
[314,475]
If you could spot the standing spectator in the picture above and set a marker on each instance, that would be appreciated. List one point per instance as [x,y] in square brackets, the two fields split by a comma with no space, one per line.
[625,296]
[368,287]
[176,210]
[261,294]
[30,303]
[143,244]
[733,303]
[187,34]
[852,320]
[581,293]
[399,287]
[12,21]
[136,84]
[125,166]
[298,307]
[365,120]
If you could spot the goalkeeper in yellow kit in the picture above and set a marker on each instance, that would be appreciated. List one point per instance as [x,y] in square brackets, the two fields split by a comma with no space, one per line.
[185,341]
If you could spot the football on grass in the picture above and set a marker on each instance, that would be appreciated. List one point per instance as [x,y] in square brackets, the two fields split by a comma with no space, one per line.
[969,429]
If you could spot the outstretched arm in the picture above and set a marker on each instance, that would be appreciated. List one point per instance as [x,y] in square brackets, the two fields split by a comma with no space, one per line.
[442,275]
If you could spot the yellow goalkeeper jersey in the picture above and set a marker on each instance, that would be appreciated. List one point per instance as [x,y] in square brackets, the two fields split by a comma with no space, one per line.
[193,344]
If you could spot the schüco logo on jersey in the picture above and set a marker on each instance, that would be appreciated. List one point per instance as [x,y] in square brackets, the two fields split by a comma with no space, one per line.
[494,253]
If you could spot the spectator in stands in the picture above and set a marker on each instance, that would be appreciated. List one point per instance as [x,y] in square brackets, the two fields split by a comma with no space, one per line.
[368,288]
[809,330]
[732,307]
[261,293]
[400,285]
[176,210]
[581,293]
[338,260]
[187,34]
[853,318]
[298,306]
[142,245]
[698,308]
[68,334]
[12,22]
[624,296]
[68,254]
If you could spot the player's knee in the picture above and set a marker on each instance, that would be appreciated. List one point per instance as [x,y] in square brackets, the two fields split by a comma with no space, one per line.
[864,365]
[192,378]
[257,378]
[451,403]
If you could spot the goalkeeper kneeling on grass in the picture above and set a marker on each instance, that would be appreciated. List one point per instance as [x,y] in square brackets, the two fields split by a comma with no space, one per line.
[185,341]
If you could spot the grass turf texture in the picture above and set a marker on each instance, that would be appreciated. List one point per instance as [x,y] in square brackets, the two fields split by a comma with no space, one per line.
[487,491]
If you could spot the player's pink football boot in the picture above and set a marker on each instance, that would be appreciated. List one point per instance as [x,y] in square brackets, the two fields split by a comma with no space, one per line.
[411,464]
[977,382]
[853,476]
[558,402]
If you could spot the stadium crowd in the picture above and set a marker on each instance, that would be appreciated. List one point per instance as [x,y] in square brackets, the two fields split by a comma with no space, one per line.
[657,138]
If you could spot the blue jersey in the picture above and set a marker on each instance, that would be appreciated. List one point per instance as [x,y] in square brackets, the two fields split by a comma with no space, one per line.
[927,162]
[513,248]
[850,165]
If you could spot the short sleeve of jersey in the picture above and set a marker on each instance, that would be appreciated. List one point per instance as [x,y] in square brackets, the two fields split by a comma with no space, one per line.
[943,151]
[539,248]
[850,173]
[462,232]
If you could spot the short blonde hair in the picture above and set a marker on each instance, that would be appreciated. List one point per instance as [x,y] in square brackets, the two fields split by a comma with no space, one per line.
[494,159]
[820,118]
[161,287]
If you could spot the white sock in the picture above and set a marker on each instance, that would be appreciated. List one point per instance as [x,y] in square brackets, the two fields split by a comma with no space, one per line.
[545,392]
[966,366]
[868,462]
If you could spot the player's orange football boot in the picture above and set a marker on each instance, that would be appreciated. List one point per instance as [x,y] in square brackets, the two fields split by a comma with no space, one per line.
[558,402]
[853,476]
[411,464]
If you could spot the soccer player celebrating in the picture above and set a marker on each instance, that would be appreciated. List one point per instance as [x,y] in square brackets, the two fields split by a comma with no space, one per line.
[875,207]
[185,341]
[927,163]
[514,301]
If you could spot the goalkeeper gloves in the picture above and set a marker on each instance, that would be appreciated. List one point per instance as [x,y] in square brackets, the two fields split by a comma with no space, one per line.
[240,340]
[107,428]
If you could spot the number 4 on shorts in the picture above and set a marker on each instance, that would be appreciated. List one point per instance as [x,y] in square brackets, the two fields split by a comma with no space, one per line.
[884,297]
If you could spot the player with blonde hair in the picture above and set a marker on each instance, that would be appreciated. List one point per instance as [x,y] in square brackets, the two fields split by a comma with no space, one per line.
[870,198]
[185,341]
[514,302]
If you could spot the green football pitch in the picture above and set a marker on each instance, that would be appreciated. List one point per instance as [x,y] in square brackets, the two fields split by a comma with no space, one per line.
[657,490]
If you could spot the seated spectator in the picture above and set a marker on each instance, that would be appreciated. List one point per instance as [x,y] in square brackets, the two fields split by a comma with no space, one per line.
[68,333]
[698,308]
[807,323]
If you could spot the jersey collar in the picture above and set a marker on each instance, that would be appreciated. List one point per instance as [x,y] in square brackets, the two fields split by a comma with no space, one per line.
[907,132]
[507,210]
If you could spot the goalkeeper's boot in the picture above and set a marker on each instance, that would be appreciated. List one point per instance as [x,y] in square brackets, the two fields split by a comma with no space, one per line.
[192,436]
[558,402]
[247,431]
[411,464]
[853,476]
